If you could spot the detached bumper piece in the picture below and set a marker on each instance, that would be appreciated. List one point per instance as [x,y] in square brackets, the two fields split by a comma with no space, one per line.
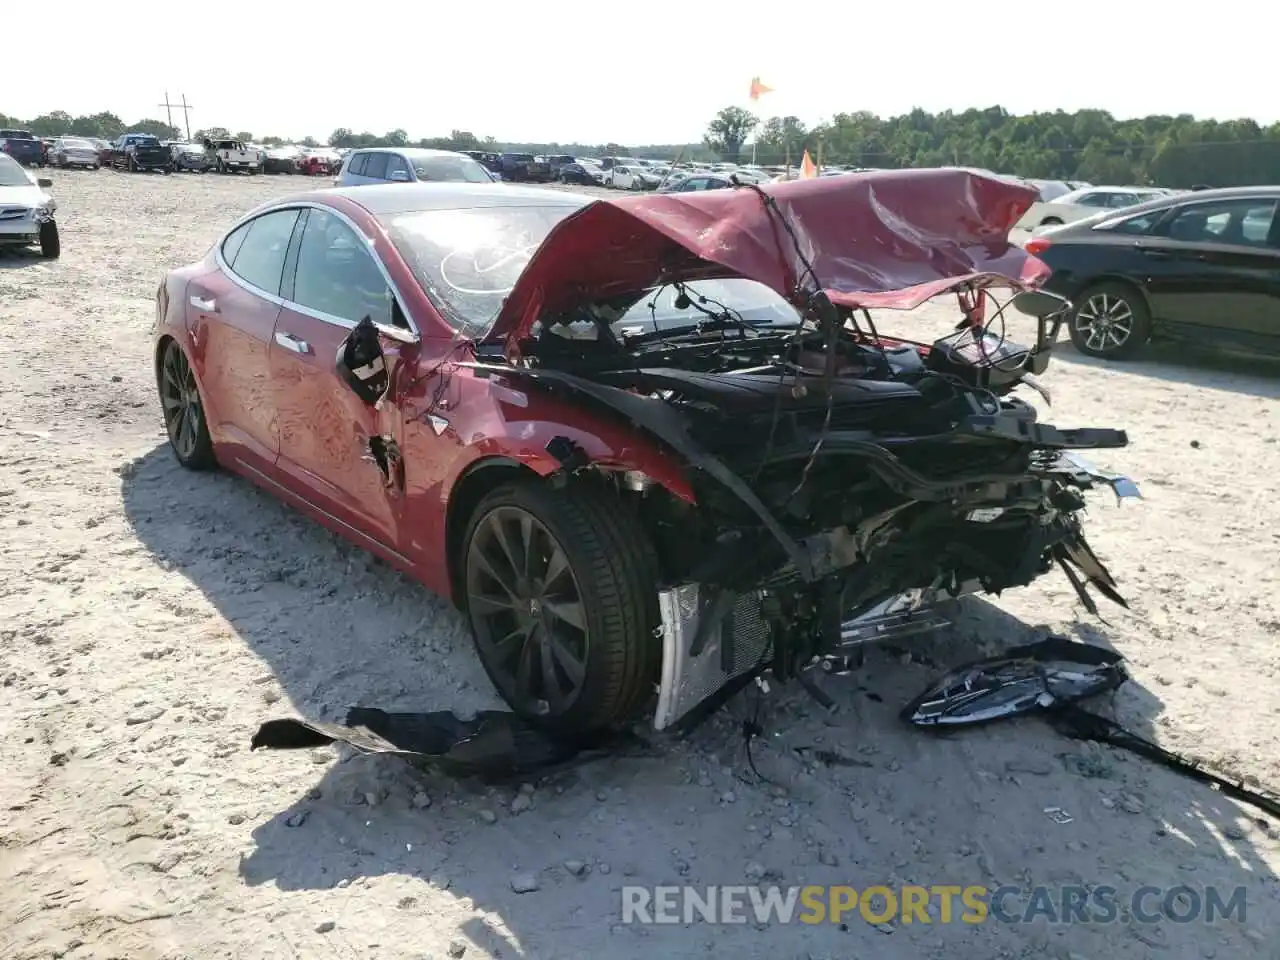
[704,663]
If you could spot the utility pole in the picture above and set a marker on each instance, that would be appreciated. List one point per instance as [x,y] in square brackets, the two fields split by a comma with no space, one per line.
[184,107]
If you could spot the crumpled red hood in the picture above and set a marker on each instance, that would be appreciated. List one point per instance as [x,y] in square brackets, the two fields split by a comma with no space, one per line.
[890,239]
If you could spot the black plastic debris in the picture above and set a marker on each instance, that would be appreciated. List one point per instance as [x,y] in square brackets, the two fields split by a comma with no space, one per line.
[495,745]
[1039,676]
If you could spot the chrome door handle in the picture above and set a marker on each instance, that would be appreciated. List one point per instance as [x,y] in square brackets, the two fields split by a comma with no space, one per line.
[290,342]
[208,306]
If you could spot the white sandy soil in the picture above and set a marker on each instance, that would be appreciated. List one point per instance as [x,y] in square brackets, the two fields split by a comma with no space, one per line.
[150,619]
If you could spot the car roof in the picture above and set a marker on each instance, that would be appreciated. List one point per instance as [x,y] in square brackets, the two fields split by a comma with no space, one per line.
[1167,202]
[409,151]
[390,199]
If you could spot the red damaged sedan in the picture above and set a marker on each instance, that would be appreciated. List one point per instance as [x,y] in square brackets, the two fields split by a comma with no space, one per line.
[650,446]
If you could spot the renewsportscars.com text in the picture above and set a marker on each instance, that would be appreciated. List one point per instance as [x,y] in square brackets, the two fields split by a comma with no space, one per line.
[940,903]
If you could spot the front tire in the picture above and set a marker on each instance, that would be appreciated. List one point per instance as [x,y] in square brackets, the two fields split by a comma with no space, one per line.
[560,588]
[50,241]
[183,410]
[1110,321]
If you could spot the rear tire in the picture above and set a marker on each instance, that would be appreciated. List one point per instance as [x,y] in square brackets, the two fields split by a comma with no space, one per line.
[598,607]
[183,410]
[1110,321]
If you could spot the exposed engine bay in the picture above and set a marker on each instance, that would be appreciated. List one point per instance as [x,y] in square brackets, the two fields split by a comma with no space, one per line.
[836,472]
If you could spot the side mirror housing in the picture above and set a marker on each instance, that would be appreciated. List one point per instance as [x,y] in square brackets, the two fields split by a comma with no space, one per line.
[44,182]
[361,365]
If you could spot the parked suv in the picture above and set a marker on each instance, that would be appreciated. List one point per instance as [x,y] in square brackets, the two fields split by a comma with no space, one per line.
[23,146]
[409,165]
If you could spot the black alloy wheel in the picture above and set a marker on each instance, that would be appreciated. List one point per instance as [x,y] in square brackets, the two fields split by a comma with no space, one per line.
[527,610]
[560,590]
[1110,321]
[183,410]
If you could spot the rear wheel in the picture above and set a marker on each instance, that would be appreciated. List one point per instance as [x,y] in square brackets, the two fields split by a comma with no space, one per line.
[1110,321]
[560,589]
[183,410]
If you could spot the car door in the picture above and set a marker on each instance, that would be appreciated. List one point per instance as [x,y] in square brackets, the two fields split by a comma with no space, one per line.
[232,315]
[375,168]
[1222,268]
[327,435]
[354,174]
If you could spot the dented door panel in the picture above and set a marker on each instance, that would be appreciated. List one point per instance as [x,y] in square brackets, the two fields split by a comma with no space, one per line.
[330,443]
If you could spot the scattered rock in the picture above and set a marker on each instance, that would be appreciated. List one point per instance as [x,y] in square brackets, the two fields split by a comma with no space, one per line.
[576,867]
[236,819]
[755,872]
[728,797]
[297,819]
[521,803]
[325,926]
[1130,804]
[524,883]
[488,816]
[604,868]
[421,800]
[457,948]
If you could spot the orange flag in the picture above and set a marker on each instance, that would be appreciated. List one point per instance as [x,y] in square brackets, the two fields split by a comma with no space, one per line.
[808,169]
[758,88]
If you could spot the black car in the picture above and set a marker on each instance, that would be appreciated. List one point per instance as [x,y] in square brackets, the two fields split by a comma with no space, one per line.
[1202,267]
[188,157]
[578,173]
[281,160]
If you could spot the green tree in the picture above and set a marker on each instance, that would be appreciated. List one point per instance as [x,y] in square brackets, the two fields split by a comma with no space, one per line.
[157,128]
[244,136]
[728,131]
[213,133]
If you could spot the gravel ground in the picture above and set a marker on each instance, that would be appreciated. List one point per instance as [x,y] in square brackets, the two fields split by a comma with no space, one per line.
[150,619]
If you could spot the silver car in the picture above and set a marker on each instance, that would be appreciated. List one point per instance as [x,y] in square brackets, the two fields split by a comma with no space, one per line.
[409,165]
[74,152]
[26,211]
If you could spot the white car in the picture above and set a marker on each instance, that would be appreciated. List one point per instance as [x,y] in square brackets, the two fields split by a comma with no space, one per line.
[1086,202]
[74,152]
[26,211]
[628,177]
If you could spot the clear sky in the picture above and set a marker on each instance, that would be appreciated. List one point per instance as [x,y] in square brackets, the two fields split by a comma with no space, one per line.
[595,71]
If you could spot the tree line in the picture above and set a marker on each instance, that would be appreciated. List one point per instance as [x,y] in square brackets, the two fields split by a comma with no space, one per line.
[1088,145]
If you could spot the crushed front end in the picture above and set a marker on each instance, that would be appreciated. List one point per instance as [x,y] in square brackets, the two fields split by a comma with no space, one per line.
[845,483]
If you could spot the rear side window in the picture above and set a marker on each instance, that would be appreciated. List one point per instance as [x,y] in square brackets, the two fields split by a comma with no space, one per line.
[260,252]
[376,166]
[1237,222]
[1136,226]
[356,168]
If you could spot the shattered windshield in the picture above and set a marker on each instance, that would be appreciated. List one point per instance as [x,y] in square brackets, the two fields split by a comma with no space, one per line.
[468,260]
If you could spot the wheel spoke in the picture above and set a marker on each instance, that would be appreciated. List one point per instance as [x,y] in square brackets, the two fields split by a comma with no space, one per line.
[527,551]
[170,403]
[511,551]
[512,645]
[570,612]
[553,690]
[486,566]
[557,567]
[177,422]
[575,671]
[525,666]
[189,431]
[488,605]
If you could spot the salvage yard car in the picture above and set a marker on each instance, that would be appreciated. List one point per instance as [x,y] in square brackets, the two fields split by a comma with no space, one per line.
[189,157]
[26,211]
[409,165]
[1200,267]
[74,152]
[139,152]
[232,156]
[23,146]
[648,460]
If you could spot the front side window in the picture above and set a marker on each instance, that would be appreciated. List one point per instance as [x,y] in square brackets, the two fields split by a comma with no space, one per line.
[255,252]
[396,164]
[337,274]
[1134,226]
[375,166]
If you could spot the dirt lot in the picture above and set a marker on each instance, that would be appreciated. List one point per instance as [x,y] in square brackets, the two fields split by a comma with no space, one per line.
[150,619]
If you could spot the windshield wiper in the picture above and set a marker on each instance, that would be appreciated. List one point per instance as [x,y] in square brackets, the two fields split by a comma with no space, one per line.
[707,326]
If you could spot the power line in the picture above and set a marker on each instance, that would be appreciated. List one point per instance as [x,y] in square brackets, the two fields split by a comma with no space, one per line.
[185,107]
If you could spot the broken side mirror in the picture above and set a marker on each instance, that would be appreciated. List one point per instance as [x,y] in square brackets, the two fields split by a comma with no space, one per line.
[361,365]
